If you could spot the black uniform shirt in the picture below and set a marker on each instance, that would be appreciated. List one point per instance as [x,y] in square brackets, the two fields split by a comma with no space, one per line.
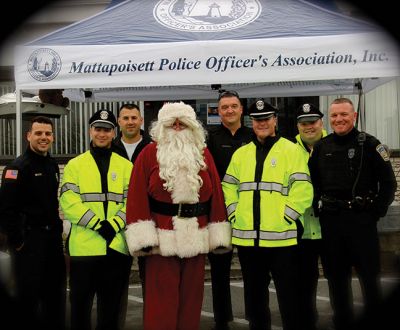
[343,167]
[29,195]
[222,144]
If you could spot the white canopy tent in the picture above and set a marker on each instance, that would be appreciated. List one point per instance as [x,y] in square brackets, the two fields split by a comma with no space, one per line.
[163,50]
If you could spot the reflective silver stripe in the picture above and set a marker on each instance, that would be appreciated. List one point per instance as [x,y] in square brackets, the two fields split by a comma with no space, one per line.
[69,186]
[291,213]
[246,186]
[265,186]
[299,177]
[264,235]
[273,186]
[268,186]
[274,236]
[118,198]
[230,179]
[244,233]
[86,218]
[126,193]
[93,197]
[231,208]
[122,215]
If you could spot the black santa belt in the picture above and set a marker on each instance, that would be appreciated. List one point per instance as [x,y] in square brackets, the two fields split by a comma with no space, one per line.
[181,210]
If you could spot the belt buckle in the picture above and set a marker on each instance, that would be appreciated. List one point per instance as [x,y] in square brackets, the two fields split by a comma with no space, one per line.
[187,210]
[179,210]
[360,201]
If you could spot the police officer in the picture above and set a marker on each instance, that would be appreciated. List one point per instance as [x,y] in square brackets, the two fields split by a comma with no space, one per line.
[129,143]
[354,185]
[267,188]
[223,140]
[132,139]
[30,217]
[93,196]
[310,127]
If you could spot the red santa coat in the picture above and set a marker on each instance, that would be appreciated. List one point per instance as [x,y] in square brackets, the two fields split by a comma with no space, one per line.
[173,236]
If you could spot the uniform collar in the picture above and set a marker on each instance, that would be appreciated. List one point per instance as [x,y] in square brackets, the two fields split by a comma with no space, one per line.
[343,139]
[30,152]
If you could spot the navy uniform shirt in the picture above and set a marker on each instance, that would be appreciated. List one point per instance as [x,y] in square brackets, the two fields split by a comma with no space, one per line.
[340,168]
[29,195]
[222,144]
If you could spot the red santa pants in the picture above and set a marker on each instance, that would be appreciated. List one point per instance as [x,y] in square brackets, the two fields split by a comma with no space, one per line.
[173,292]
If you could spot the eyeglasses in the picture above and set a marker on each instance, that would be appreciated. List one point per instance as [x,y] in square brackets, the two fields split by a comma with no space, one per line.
[227,94]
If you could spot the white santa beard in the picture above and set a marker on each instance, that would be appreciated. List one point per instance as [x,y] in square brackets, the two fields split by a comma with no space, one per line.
[180,161]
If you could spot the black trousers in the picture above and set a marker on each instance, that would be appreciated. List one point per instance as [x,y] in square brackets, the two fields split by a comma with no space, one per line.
[124,300]
[257,265]
[310,251]
[40,275]
[103,276]
[350,240]
[220,266]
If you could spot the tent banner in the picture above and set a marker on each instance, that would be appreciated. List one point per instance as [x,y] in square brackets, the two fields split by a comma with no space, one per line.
[363,55]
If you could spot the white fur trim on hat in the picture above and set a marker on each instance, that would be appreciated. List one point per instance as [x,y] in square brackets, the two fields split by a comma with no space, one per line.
[176,110]
[141,234]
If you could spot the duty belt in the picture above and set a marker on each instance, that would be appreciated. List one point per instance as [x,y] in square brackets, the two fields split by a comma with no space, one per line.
[181,210]
[358,203]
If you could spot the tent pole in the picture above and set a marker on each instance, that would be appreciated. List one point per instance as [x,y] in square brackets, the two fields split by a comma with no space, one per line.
[141,107]
[360,107]
[18,119]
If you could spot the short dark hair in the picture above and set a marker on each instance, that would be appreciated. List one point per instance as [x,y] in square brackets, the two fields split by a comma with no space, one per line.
[129,106]
[41,120]
[341,100]
[224,93]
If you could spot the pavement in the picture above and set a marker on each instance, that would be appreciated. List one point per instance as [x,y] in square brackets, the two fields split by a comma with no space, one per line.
[135,305]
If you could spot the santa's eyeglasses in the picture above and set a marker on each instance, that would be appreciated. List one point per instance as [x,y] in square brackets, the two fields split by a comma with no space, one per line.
[227,94]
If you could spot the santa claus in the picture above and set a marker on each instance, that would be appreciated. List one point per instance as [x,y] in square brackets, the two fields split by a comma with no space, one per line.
[175,216]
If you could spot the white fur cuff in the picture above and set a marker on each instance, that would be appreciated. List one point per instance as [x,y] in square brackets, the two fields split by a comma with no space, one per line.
[220,234]
[141,234]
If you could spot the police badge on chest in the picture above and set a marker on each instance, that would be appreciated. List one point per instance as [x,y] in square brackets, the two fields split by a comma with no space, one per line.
[350,153]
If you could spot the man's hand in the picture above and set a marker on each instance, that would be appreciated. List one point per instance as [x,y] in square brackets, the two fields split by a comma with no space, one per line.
[106,231]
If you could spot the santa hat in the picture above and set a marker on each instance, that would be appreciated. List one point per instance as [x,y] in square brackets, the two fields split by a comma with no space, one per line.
[171,111]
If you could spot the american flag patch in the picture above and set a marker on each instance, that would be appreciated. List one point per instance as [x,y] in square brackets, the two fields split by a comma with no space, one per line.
[11,174]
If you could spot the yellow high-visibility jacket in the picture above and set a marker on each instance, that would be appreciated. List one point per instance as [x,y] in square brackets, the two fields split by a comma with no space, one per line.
[82,198]
[312,228]
[265,212]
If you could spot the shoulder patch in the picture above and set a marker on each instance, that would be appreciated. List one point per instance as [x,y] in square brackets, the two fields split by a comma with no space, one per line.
[383,151]
[11,174]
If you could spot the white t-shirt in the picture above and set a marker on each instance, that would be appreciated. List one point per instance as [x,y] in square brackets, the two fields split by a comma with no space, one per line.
[130,147]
